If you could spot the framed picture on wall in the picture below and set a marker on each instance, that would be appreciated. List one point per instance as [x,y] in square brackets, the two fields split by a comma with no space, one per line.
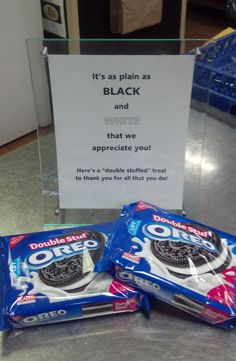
[54,17]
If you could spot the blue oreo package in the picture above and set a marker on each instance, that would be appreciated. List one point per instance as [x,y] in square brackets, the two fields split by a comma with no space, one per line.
[177,260]
[49,277]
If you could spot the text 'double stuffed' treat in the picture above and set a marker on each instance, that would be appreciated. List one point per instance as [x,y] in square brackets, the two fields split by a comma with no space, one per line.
[177,260]
[49,277]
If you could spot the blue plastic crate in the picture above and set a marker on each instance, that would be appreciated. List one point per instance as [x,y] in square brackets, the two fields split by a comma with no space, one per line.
[215,70]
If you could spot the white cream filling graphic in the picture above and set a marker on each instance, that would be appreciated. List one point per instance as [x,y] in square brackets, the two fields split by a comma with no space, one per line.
[99,284]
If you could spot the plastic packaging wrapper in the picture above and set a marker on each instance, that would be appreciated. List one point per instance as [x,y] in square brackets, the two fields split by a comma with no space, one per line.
[49,277]
[177,260]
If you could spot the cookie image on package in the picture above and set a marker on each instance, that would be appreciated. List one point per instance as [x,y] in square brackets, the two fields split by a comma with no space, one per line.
[68,273]
[180,257]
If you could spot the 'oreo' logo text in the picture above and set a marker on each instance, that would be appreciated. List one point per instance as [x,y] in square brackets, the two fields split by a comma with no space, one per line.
[42,317]
[161,232]
[46,256]
[144,284]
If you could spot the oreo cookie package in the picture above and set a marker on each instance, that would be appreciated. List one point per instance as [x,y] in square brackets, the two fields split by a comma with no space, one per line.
[182,262]
[49,277]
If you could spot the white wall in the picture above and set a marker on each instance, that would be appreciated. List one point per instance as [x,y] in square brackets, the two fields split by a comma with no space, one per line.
[19,19]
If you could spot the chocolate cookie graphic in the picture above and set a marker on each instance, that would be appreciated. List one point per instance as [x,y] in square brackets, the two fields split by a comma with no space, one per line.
[179,255]
[69,270]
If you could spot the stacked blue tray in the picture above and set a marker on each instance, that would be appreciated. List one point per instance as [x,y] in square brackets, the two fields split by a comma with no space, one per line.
[215,74]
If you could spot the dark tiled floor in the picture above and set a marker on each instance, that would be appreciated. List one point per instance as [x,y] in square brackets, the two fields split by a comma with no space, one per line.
[204,23]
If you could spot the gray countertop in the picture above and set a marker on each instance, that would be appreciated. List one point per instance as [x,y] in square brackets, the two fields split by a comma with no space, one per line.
[168,335]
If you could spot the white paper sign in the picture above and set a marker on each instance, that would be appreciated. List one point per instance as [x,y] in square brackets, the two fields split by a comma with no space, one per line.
[121,128]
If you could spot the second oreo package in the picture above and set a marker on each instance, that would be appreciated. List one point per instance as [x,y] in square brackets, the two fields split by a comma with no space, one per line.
[177,260]
[49,277]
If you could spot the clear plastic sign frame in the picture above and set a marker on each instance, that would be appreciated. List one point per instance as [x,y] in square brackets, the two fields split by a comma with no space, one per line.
[40,50]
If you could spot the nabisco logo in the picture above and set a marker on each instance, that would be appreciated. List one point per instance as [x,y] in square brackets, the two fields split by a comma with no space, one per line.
[131,257]
[17,239]
[26,299]
[142,206]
